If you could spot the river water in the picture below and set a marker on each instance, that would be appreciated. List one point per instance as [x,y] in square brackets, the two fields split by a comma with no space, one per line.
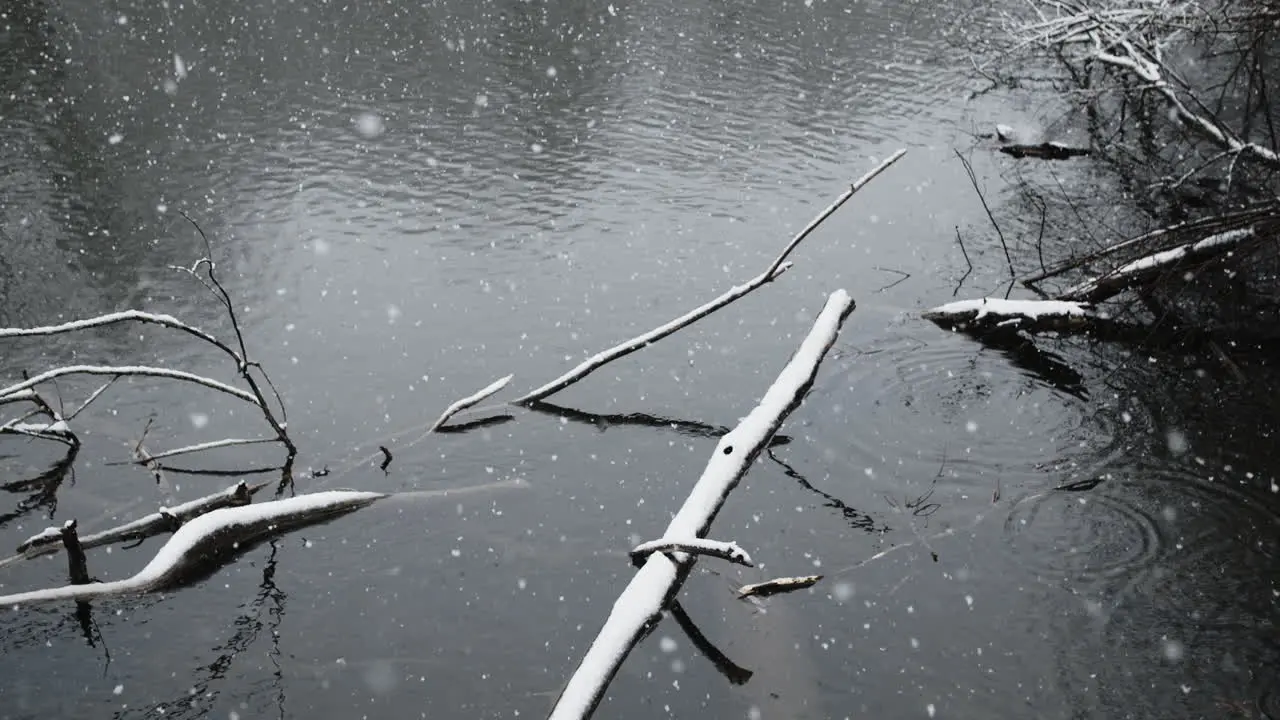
[408,201]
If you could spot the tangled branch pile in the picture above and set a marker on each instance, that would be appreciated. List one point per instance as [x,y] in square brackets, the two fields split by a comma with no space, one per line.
[1180,103]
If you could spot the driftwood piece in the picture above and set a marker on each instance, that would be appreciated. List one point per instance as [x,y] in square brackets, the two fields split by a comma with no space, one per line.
[777,267]
[777,585]
[696,546]
[1145,269]
[640,605]
[1044,151]
[986,314]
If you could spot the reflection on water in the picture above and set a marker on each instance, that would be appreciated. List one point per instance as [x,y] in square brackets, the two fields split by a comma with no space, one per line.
[409,201]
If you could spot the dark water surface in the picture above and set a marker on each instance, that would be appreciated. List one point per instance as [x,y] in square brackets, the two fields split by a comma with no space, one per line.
[411,200]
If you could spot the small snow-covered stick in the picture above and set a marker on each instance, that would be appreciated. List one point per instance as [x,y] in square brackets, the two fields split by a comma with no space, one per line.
[469,401]
[641,603]
[693,546]
[776,268]
[777,585]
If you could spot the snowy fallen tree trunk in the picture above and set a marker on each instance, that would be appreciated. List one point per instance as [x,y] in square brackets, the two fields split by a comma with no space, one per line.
[988,314]
[1146,269]
[640,605]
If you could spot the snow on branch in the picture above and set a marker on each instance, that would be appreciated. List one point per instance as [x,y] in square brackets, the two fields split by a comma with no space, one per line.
[139,370]
[469,401]
[696,546]
[640,605]
[119,317]
[1144,269]
[207,535]
[992,313]
[776,268]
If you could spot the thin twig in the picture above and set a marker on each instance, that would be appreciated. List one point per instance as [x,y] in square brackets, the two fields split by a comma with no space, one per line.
[968,262]
[973,179]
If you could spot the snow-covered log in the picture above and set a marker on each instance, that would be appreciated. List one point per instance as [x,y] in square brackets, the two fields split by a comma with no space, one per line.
[640,605]
[997,313]
[1145,269]
[776,268]
[212,534]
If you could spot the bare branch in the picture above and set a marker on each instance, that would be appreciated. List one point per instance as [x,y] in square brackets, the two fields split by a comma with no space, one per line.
[119,317]
[776,268]
[133,370]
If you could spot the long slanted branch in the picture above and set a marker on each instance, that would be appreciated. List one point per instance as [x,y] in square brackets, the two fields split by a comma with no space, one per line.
[641,603]
[777,267]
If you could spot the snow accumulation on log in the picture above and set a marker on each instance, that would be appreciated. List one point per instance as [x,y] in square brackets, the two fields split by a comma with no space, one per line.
[210,534]
[642,601]
[997,313]
[1144,269]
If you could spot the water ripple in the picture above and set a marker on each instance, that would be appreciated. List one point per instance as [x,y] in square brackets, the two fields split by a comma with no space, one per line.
[978,412]
[1079,538]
